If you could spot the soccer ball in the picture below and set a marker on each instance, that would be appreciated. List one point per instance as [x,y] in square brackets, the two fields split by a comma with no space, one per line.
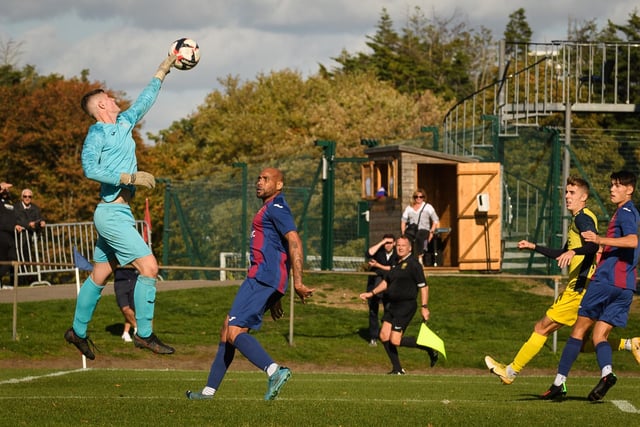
[187,52]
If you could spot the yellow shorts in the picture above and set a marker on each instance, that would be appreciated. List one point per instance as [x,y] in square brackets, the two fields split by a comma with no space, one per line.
[564,310]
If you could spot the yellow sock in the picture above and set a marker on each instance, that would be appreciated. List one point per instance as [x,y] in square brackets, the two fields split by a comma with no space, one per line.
[528,351]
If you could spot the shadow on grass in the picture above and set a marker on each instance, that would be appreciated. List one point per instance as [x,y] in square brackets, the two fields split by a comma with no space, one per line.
[530,397]
[115,329]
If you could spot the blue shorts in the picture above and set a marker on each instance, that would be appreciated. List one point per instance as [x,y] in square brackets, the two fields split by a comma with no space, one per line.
[251,301]
[117,235]
[606,303]
[124,284]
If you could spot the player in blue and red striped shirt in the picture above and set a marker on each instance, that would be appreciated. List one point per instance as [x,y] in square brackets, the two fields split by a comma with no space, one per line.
[275,247]
[608,298]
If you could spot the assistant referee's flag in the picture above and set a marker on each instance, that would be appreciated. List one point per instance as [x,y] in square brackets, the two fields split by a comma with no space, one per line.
[428,338]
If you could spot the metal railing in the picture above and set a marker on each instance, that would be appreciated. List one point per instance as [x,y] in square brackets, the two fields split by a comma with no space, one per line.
[52,249]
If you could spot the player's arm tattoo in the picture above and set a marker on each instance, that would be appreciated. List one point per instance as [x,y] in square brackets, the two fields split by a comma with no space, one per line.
[296,256]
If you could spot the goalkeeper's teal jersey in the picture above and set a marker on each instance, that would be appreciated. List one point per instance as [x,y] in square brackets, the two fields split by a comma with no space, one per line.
[109,149]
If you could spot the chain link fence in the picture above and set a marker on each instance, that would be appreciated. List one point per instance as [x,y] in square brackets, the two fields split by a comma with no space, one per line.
[208,222]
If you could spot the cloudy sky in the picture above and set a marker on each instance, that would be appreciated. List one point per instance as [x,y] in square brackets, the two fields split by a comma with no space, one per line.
[121,42]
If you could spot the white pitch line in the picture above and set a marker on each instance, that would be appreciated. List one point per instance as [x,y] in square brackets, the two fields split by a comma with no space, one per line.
[625,406]
[32,378]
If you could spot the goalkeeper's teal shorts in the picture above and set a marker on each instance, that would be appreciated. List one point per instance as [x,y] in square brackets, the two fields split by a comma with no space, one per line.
[117,235]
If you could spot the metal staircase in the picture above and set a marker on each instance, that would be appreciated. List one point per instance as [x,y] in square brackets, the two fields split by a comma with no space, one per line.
[535,81]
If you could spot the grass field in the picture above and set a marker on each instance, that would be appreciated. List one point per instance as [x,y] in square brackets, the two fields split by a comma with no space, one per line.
[337,378]
[151,397]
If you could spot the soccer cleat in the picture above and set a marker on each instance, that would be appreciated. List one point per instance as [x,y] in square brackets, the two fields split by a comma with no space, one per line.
[499,370]
[394,372]
[373,342]
[194,395]
[276,381]
[635,348]
[602,387]
[433,356]
[126,337]
[153,343]
[555,392]
[81,344]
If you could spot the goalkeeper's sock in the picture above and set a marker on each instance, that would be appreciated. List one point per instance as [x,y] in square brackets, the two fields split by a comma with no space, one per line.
[144,298]
[86,303]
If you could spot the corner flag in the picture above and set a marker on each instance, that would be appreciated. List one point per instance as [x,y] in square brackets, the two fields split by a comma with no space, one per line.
[81,262]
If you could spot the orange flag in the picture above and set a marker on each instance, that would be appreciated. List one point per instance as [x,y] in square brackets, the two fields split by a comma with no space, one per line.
[146,229]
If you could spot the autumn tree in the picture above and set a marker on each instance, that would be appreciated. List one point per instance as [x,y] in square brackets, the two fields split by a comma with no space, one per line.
[41,136]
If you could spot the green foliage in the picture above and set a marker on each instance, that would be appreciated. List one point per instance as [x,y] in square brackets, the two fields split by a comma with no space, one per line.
[518,29]
[280,115]
[404,82]
[42,137]
[430,54]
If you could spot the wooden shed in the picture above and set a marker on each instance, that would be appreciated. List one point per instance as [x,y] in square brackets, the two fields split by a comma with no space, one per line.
[465,193]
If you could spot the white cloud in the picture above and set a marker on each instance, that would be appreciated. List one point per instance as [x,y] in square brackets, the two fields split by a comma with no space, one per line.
[123,42]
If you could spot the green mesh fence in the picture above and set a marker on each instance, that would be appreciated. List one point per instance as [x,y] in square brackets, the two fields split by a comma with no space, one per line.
[204,223]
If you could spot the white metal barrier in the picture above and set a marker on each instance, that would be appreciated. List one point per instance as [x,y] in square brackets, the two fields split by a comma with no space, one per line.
[51,250]
[341,263]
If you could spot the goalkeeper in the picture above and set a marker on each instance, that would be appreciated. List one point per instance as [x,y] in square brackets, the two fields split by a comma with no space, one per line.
[109,157]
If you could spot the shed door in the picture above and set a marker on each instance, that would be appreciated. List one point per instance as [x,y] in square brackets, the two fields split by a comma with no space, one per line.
[479,233]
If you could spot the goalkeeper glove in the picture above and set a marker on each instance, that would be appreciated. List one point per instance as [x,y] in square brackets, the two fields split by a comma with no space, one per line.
[165,67]
[144,179]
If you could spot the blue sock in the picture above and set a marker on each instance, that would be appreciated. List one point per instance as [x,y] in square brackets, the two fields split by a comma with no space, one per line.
[569,355]
[252,350]
[144,298]
[220,364]
[86,303]
[604,353]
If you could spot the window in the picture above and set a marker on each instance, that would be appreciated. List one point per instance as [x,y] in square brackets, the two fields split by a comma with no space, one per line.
[379,179]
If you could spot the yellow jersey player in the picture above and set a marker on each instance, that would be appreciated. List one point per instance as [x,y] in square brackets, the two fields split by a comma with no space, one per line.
[579,257]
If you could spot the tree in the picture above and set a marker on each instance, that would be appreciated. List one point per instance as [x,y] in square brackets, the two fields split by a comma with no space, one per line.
[41,138]
[583,32]
[517,30]
[429,54]
[10,51]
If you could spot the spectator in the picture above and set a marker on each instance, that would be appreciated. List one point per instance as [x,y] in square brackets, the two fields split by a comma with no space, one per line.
[124,283]
[28,214]
[7,233]
[418,223]
[382,256]
[29,220]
